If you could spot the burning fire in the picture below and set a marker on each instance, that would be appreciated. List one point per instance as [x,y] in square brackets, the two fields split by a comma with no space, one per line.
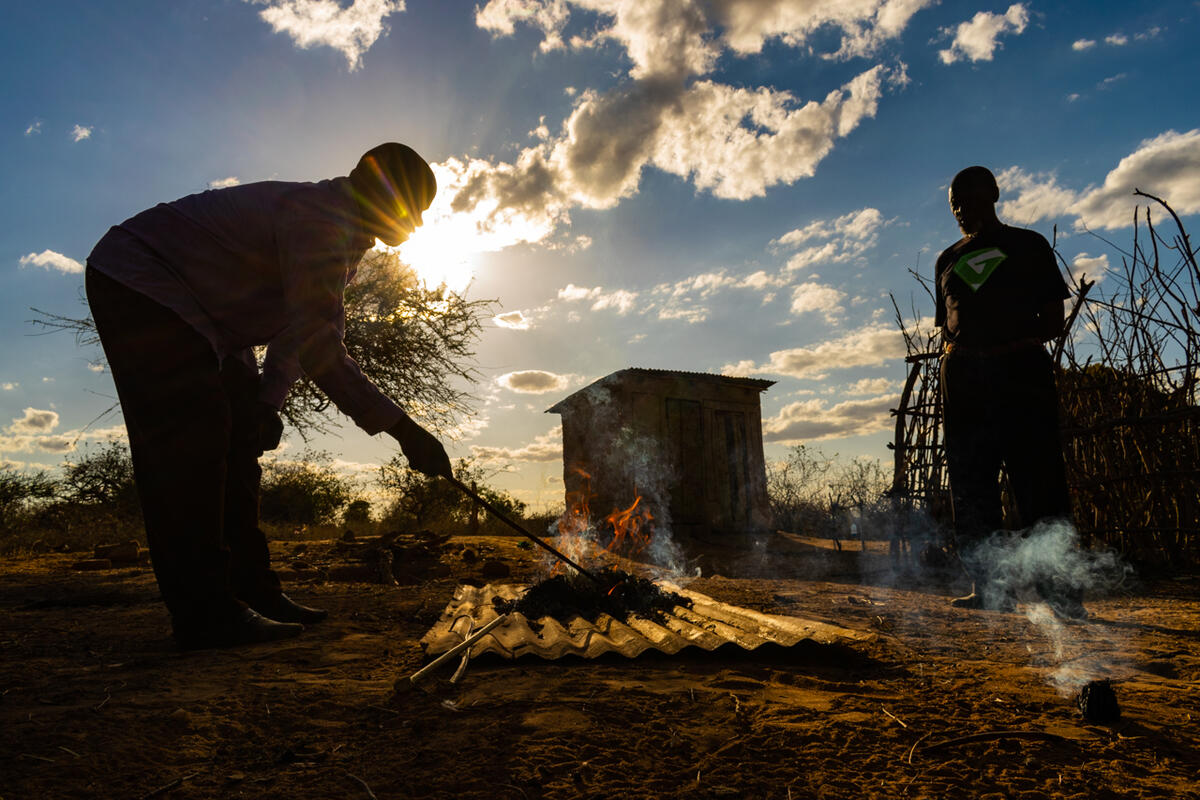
[631,527]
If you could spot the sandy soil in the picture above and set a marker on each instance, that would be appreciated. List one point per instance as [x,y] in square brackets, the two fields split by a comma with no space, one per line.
[96,702]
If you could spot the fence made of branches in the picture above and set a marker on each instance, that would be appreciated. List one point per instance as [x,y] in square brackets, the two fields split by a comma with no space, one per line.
[1129,363]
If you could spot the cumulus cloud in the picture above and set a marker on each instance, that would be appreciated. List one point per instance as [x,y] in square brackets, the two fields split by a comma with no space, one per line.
[8,386]
[533,381]
[812,420]
[34,421]
[61,443]
[661,36]
[351,30]
[1116,39]
[1079,45]
[513,320]
[1029,197]
[1092,267]
[48,259]
[837,240]
[978,38]
[224,183]
[818,297]
[80,132]
[734,142]
[546,447]
[870,346]
[620,300]
[871,386]
[1167,165]
[34,128]
[548,16]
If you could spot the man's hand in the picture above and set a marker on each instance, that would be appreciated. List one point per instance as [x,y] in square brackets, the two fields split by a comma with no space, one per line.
[270,427]
[424,452]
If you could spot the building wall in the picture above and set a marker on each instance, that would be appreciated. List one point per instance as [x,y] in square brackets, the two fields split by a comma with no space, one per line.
[701,437]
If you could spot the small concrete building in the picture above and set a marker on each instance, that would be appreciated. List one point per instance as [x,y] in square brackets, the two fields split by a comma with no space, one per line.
[689,443]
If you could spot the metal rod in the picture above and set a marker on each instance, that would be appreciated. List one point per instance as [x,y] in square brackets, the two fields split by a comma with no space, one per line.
[407,682]
[500,515]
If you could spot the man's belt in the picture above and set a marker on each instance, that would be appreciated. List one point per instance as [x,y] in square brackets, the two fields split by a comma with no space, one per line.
[988,350]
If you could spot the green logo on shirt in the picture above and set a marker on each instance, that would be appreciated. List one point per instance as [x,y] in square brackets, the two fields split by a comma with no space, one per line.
[977,266]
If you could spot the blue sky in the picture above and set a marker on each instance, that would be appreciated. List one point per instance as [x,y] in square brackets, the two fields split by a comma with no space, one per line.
[711,185]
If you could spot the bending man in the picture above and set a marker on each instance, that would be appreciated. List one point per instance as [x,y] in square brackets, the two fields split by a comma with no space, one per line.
[180,294]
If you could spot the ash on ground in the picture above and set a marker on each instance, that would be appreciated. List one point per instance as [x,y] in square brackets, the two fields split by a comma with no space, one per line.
[615,592]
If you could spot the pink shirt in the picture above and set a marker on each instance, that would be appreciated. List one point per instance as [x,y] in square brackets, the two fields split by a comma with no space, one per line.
[260,264]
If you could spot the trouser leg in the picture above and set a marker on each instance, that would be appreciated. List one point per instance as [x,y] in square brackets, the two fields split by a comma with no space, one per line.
[178,420]
[1033,454]
[973,456]
[250,559]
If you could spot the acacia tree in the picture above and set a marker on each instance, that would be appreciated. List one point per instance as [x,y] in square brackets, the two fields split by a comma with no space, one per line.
[415,342]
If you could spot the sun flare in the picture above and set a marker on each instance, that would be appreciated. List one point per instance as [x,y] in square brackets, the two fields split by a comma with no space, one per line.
[441,252]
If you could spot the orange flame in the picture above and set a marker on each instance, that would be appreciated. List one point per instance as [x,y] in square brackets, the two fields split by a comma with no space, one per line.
[631,528]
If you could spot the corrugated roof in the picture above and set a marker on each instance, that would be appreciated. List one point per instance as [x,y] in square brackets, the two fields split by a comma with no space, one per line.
[621,374]
[708,624]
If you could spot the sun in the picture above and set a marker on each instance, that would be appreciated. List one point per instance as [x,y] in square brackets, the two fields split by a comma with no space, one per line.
[443,252]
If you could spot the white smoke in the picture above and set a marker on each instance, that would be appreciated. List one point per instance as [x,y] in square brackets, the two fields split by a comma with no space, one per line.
[1047,571]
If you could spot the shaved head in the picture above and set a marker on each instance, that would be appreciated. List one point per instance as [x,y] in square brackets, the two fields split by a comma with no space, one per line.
[973,196]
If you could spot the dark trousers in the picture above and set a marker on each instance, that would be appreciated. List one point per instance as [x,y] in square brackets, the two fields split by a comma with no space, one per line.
[1002,411]
[193,439]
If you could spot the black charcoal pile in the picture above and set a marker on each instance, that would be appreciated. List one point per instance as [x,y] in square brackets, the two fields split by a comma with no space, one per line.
[616,593]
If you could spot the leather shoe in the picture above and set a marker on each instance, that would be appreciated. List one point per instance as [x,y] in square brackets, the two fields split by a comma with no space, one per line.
[246,626]
[282,608]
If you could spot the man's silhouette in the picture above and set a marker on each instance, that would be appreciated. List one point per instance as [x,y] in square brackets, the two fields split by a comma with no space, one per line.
[999,298]
[181,294]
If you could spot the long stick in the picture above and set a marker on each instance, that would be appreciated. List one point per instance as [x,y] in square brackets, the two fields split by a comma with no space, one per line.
[500,515]
[409,681]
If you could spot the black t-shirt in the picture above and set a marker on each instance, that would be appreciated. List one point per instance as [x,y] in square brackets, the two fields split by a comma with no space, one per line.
[991,286]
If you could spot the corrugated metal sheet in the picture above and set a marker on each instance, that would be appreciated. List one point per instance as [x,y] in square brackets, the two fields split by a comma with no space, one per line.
[708,624]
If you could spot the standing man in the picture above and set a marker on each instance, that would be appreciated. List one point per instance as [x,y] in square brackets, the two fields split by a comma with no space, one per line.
[181,294]
[999,299]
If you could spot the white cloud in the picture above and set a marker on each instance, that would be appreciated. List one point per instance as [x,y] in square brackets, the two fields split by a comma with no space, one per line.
[546,447]
[351,30]
[1092,267]
[620,300]
[1079,45]
[95,367]
[513,320]
[733,142]
[224,183]
[1037,195]
[838,240]
[978,38]
[1117,39]
[871,346]
[34,128]
[1167,166]
[820,298]
[811,420]
[534,381]
[548,16]
[81,132]
[665,36]
[8,386]
[48,259]
[34,421]
[61,443]
[871,386]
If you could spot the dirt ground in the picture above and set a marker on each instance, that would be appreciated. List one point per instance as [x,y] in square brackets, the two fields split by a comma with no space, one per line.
[95,701]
